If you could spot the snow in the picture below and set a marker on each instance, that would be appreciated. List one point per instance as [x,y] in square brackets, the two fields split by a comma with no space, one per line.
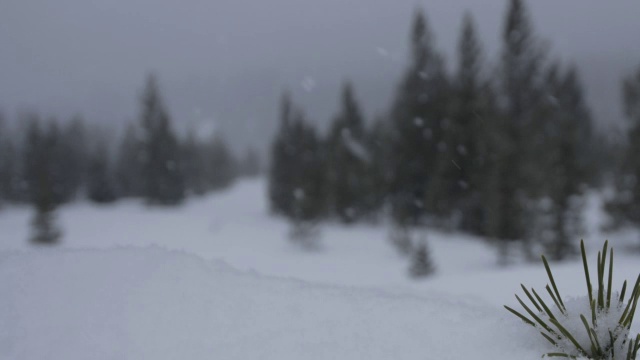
[218,278]
[152,303]
[607,321]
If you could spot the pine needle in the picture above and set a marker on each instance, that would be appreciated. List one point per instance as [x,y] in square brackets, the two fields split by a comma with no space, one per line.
[586,271]
[553,283]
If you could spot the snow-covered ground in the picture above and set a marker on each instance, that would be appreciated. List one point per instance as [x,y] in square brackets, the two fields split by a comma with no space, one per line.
[217,278]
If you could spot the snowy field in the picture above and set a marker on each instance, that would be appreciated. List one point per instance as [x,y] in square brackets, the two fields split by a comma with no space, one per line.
[217,278]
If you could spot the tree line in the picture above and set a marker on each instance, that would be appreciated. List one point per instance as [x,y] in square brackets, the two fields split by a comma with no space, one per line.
[48,164]
[504,150]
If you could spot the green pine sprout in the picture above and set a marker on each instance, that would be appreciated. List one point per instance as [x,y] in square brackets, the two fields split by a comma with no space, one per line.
[597,337]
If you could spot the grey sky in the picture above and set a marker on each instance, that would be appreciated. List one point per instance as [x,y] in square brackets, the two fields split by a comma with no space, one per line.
[229,60]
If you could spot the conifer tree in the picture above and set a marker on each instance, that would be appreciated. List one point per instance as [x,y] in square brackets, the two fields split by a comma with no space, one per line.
[71,163]
[297,181]
[282,155]
[57,158]
[161,168]
[568,171]
[222,164]
[418,117]
[44,228]
[9,171]
[348,160]
[421,263]
[625,207]
[40,171]
[194,165]
[309,188]
[128,166]
[309,202]
[380,171]
[32,157]
[463,167]
[100,184]
[519,172]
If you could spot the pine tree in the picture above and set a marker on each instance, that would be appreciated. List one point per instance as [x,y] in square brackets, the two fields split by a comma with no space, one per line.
[297,185]
[161,168]
[520,172]
[421,263]
[222,165]
[32,157]
[100,184]
[309,188]
[71,163]
[44,227]
[380,171]
[625,207]
[418,117]
[348,160]
[568,131]
[56,155]
[464,167]
[40,167]
[9,171]
[282,154]
[128,167]
[194,165]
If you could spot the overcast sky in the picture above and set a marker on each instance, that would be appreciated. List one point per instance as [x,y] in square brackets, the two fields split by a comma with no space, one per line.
[229,60]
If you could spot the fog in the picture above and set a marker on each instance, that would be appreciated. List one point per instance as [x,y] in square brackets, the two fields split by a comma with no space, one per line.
[229,60]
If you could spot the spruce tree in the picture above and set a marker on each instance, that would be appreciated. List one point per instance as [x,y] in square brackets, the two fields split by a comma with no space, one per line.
[348,160]
[307,170]
[100,184]
[194,165]
[9,171]
[380,171]
[309,202]
[421,262]
[128,166]
[57,158]
[39,155]
[44,228]
[161,168]
[520,172]
[464,167]
[71,160]
[418,117]
[282,154]
[625,206]
[297,181]
[568,171]
[222,165]
[34,138]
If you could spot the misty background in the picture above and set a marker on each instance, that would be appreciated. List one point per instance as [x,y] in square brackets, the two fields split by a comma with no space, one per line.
[227,61]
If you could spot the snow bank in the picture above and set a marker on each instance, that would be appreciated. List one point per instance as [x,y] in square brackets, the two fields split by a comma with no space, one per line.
[156,304]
